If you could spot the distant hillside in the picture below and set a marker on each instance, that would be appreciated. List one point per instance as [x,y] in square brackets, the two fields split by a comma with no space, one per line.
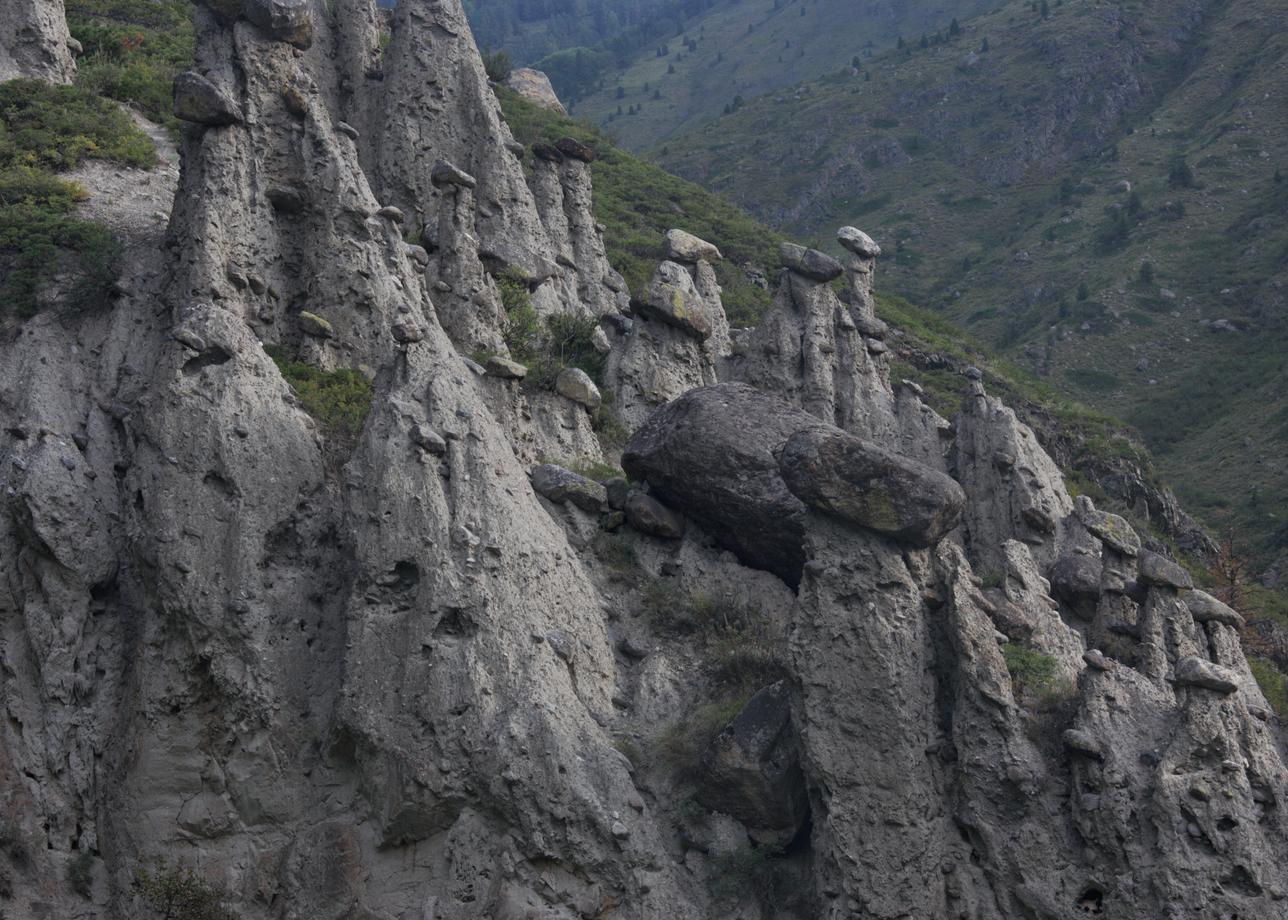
[1094,189]
[744,48]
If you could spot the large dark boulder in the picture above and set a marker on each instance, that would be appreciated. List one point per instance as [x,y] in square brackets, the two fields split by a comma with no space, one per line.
[198,100]
[752,769]
[711,454]
[868,485]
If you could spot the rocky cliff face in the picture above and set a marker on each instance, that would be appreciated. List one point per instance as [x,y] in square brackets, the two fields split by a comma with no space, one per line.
[34,41]
[414,674]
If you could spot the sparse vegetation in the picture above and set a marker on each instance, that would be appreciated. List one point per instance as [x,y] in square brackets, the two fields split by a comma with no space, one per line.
[45,130]
[1032,673]
[179,893]
[339,399]
[133,50]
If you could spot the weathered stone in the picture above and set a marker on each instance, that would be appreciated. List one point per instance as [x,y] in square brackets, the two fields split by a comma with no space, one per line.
[561,485]
[1097,660]
[575,384]
[648,515]
[347,130]
[286,199]
[316,326]
[535,86]
[1162,572]
[391,213]
[752,769]
[429,439]
[408,329]
[815,265]
[870,486]
[618,491]
[1198,672]
[547,152]
[198,100]
[713,452]
[1081,742]
[497,366]
[571,147]
[286,20]
[1075,578]
[858,242]
[1207,609]
[1112,530]
[682,246]
[673,298]
[445,174]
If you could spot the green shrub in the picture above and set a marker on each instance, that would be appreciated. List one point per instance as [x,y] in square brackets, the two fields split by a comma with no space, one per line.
[681,745]
[41,240]
[545,347]
[339,399]
[133,50]
[1272,683]
[80,874]
[180,894]
[497,65]
[609,428]
[55,127]
[1032,673]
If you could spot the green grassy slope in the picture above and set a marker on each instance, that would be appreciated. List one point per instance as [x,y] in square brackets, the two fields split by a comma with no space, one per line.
[994,181]
[748,47]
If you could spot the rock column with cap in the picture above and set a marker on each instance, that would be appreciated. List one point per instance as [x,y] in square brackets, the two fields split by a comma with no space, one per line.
[679,332]
[466,297]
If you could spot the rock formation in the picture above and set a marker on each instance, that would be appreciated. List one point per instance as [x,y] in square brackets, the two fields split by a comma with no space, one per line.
[34,41]
[825,656]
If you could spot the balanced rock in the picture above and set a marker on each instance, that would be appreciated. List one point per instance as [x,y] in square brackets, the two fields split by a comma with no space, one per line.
[811,263]
[571,147]
[682,246]
[286,20]
[1207,609]
[1112,530]
[562,486]
[1199,672]
[497,366]
[858,242]
[673,298]
[448,174]
[1163,572]
[711,453]
[868,485]
[575,384]
[316,326]
[547,152]
[648,515]
[198,100]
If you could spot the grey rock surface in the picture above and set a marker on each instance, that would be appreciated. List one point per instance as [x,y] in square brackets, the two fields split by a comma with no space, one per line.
[375,672]
[34,41]
[870,486]
[199,100]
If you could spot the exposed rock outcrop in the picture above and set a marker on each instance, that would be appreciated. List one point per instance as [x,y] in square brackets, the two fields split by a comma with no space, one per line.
[34,41]
[414,666]
[534,86]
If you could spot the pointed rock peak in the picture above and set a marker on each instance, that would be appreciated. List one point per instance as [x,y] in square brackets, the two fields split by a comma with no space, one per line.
[815,265]
[858,242]
[535,86]
[682,246]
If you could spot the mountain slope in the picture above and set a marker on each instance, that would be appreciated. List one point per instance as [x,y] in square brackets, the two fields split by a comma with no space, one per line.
[1091,192]
[749,47]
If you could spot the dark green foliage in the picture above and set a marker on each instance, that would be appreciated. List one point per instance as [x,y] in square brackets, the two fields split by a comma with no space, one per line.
[1146,273]
[179,893]
[548,347]
[1032,673]
[339,399]
[133,50]
[497,66]
[80,874]
[55,127]
[44,129]
[1179,174]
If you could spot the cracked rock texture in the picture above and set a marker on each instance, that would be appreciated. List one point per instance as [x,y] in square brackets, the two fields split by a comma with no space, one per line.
[438,670]
[34,41]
